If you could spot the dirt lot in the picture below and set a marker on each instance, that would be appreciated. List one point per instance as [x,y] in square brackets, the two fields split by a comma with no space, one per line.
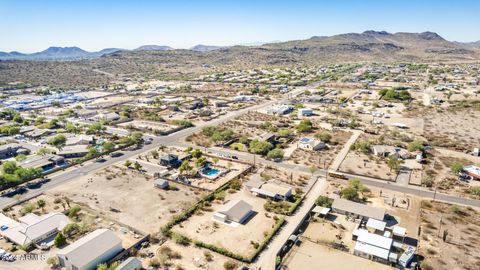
[296,180]
[321,158]
[186,257]
[460,250]
[368,165]
[128,196]
[460,130]
[310,254]
[237,239]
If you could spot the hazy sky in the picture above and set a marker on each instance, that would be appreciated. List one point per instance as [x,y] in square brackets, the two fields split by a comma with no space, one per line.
[29,26]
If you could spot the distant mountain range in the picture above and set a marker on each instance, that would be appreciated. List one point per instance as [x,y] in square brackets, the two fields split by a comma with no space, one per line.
[163,61]
[75,53]
[368,41]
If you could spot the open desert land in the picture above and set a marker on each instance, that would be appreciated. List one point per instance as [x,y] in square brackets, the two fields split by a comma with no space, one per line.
[129,196]
[169,254]
[457,128]
[367,165]
[460,226]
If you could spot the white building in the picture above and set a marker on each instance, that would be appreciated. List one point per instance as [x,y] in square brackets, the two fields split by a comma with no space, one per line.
[374,247]
[311,144]
[237,211]
[34,229]
[87,252]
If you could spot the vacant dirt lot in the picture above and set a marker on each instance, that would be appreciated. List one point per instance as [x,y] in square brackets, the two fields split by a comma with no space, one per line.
[460,250]
[310,254]
[237,239]
[129,197]
[459,130]
[367,165]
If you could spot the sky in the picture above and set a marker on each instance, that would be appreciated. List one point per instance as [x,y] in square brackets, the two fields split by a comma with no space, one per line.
[34,25]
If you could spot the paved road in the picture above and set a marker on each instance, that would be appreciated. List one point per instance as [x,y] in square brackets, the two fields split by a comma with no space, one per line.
[267,259]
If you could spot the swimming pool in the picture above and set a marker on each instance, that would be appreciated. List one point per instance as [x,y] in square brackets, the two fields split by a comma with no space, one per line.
[211,172]
[208,172]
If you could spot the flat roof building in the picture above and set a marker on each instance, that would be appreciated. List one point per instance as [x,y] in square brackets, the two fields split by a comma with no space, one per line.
[359,210]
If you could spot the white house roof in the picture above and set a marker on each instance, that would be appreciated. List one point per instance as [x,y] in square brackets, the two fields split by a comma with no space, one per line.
[376,224]
[374,239]
[34,228]
[400,231]
[90,247]
[373,244]
[373,250]
[236,209]
[130,263]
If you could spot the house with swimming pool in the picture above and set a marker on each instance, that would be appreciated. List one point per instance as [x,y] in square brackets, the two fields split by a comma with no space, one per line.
[211,172]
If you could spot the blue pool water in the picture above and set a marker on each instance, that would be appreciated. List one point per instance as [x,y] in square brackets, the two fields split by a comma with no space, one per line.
[211,172]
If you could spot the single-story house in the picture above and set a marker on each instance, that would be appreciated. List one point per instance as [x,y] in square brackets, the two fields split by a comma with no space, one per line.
[236,210]
[374,247]
[111,116]
[38,133]
[74,151]
[161,183]
[305,112]
[87,252]
[357,210]
[387,150]
[81,139]
[311,144]
[280,109]
[25,129]
[273,189]
[170,160]
[43,162]
[131,263]
[35,229]
[267,136]
[243,98]
[11,149]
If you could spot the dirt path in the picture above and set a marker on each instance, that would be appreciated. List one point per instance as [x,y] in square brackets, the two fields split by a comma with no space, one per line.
[343,153]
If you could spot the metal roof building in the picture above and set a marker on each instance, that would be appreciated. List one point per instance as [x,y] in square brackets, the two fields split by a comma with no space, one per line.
[89,251]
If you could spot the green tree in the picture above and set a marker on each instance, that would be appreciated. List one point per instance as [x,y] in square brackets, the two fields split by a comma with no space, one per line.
[305,126]
[260,147]
[200,162]
[108,146]
[185,167]
[58,141]
[127,163]
[42,203]
[196,153]
[416,146]
[394,163]
[349,193]
[456,167]
[275,154]
[60,240]
[324,201]
[325,137]
[9,167]
[137,166]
